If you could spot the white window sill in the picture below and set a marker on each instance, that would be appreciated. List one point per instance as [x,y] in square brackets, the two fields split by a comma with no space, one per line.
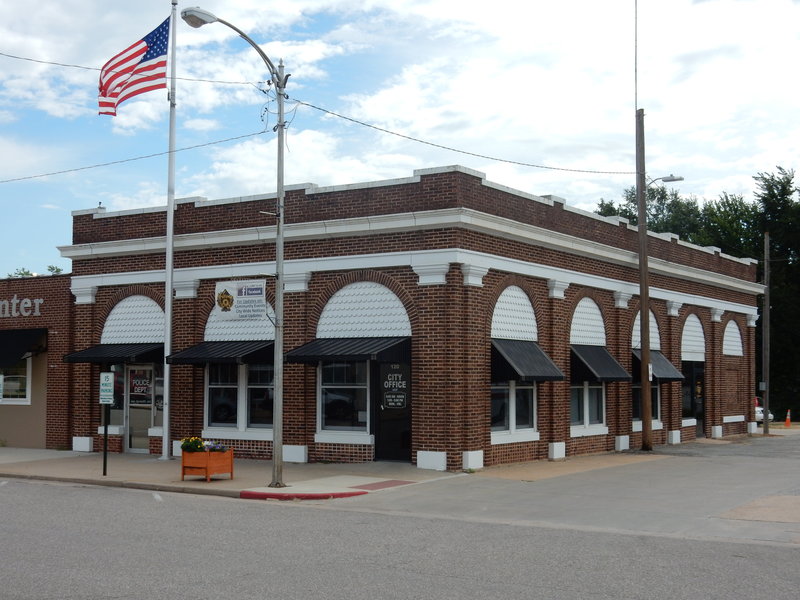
[637,425]
[689,423]
[585,431]
[231,433]
[733,419]
[521,435]
[344,437]
[15,402]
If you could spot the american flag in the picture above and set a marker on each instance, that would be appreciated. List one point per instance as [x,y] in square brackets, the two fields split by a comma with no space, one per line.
[138,69]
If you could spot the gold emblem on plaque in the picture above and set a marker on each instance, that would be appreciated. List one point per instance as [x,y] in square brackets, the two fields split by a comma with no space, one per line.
[225,301]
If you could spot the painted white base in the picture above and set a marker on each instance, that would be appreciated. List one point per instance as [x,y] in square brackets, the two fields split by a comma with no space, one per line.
[472,459]
[622,443]
[112,429]
[752,427]
[557,450]
[435,461]
[295,454]
[176,448]
[82,444]
[674,437]
[716,431]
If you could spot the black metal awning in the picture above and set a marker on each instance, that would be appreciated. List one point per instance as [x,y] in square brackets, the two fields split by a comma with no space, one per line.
[113,354]
[240,352]
[527,360]
[663,370]
[16,343]
[599,362]
[365,348]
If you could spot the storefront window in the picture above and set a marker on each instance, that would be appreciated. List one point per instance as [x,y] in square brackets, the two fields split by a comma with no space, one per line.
[587,404]
[513,407]
[239,392]
[222,395]
[344,395]
[636,401]
[14,383]
[260,391]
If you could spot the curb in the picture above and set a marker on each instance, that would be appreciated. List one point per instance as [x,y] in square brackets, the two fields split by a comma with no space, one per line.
[252,495]
[156,487]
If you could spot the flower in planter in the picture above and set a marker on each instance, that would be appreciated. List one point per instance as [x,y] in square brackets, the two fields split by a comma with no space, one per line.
[214,447]
[192,444]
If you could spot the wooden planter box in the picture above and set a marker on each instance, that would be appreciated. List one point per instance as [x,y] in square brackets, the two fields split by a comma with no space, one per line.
[206,463]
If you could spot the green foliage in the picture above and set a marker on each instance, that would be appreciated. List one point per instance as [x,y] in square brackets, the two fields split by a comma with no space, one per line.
[21,272]
[737,227]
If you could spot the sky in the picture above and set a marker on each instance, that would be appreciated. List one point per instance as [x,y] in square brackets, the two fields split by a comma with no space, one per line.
[541,96]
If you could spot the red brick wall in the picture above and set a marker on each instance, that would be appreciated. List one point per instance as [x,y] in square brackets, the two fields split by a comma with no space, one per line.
[451,323]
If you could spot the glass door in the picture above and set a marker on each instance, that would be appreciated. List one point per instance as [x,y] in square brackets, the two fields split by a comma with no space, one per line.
[140,396]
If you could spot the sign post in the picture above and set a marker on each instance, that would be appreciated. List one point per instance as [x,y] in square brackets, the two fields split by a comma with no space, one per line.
[106,399]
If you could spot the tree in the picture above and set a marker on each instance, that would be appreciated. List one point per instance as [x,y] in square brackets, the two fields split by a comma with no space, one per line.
[21,272]
[779,214]
[731,224]
[24,272]
[737,227]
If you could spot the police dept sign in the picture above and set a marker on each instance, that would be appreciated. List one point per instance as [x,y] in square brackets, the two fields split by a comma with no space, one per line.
[241,299]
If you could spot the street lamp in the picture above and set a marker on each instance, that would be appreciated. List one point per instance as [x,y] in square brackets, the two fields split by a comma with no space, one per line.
[197,17]
[644,283]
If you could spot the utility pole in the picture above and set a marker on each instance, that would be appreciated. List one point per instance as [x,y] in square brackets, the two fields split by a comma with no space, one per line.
[765,337]
[644,287]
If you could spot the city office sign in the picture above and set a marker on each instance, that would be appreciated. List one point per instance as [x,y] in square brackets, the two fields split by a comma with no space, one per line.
[20,307]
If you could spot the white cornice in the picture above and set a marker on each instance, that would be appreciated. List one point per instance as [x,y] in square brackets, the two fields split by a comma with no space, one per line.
[464,218]
[431,267]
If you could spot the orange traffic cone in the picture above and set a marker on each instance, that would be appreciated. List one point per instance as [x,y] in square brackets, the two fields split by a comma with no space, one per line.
[788,418]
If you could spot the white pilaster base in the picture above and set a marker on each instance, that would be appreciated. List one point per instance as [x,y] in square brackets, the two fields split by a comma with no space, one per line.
[295,454]
[472,459]
[557,450]
[176,448]
[674,437]
[716,431]
[752,427]
[82,444]
[622,443]
[435,461]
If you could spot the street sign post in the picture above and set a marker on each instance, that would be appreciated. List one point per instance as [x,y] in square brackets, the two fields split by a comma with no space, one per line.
[106,400]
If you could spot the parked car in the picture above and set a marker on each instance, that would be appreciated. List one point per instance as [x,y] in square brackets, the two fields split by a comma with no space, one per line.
[760,415]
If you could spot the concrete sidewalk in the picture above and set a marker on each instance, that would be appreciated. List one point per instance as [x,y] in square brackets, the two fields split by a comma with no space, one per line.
[308,481]
[314,481]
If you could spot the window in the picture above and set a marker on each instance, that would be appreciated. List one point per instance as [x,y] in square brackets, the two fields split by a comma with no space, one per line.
[240,396]
[513,407]
[587,404]
[343,395]
[636,401]
[15,383]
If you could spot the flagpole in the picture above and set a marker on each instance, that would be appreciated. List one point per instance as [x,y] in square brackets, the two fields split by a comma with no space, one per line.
[166,449]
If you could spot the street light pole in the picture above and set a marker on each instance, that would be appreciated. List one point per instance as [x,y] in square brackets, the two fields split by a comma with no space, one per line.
[644,282]
[197,17]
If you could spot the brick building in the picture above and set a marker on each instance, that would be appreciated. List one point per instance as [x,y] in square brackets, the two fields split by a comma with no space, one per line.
[35,332]
[439,319]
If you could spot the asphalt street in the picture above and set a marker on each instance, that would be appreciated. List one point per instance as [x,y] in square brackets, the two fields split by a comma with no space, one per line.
[705,520]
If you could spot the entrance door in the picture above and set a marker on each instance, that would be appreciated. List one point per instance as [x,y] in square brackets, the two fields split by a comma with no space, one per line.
[140,407]
[392,410]
[694,394]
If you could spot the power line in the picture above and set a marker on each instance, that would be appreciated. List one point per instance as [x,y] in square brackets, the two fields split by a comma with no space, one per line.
[466,152]
[85,68]
[326,111]
[127,160]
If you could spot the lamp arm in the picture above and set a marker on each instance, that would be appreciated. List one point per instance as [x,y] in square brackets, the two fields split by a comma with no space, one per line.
[272,70]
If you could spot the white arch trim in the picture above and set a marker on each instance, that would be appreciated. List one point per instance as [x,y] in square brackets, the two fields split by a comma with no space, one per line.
[364,309]
[513,317]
